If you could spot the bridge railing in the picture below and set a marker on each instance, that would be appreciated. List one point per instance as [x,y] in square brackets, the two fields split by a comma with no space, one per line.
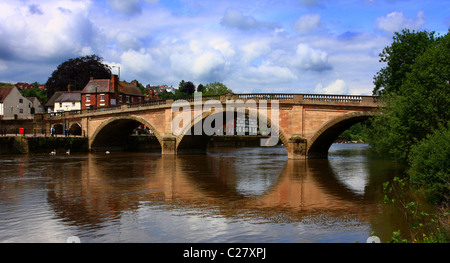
[145,104]
[299,98]
[333,98]
[283,97]
[267,96]
[204,97]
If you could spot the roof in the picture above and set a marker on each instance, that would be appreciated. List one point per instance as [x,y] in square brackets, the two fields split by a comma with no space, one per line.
[4,92]
[105,86]
[56,95]
[69,97]
[129,89]
[98,86]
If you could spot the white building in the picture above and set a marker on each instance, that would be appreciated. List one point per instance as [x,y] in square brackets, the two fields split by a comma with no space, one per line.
[246,126]
[67,102]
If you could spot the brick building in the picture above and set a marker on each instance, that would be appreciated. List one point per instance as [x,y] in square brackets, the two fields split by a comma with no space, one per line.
[107,92]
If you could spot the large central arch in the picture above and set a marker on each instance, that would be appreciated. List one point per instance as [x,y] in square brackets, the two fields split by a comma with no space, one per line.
[200,141]
[112,132]
[321,141]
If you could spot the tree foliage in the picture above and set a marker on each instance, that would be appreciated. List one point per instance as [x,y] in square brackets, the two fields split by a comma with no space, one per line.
[400,56]
[414,125]
[187,88]
[41,95]
[419,106]
[430,164]
[216,88]
[200,88]
[77,73]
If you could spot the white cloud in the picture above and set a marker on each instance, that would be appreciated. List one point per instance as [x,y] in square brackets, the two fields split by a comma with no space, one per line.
[129,7]
[140,65]
[307,58]
[267,73]
[3,66]
[254,50]
[248,46]
[235,18]
[198,60]
[396,21]
[307,23]
[50,30]
[126,40]
[337,87]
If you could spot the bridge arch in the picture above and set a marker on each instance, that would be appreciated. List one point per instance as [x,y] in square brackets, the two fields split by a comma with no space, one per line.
[201,140]
[322,139]
[75,129]
[58,128]
[116,128]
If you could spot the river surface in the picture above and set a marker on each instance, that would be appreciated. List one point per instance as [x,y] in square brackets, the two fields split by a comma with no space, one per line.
[228,195]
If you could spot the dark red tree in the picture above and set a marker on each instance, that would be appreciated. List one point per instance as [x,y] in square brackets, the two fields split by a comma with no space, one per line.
[77,73]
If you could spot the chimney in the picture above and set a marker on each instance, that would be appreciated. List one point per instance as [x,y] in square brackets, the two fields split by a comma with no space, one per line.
[115,85]
[69,88]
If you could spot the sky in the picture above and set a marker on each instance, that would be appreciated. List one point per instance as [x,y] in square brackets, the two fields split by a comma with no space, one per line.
[264,46]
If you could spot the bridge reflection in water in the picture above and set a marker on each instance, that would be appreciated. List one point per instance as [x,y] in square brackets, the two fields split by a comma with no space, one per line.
[141,197]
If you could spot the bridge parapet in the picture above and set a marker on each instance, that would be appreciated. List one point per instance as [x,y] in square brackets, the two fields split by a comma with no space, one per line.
[311,98]
[283,98]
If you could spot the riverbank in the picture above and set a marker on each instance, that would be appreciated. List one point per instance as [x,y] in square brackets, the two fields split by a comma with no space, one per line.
[24,144]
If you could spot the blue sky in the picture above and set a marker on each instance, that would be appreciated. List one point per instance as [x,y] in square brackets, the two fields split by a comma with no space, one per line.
[282,46]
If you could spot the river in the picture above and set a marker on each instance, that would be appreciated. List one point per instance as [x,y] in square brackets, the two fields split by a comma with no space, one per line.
[227,195]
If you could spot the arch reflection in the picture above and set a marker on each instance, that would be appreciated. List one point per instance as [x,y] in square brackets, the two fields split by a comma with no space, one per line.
[96,190]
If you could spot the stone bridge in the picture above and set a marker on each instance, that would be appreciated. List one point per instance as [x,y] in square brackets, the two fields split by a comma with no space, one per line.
[306,124]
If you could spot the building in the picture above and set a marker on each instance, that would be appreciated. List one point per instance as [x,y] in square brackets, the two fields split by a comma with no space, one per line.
[36,106]
[246,125]
[108,92]
[24,86]
[13,105]
[154,92]
[49,107]
[67,102]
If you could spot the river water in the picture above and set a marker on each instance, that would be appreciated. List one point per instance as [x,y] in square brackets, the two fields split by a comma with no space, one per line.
[227,195]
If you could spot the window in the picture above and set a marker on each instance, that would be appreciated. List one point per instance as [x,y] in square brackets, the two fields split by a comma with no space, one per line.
[102,97]
[73,104]
[60,104]
[20,100]
[120,98]
[140,99]
[128,99]
[88,97]
[21,111]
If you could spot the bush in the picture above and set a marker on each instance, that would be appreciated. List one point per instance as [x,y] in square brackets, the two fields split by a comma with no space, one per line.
[430,165]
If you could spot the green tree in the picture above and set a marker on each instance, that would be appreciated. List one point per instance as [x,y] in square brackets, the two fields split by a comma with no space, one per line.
[400,56]
[216,88]
[41,95]
[419,107]
[187,87]
[181,85]
[200,88]
[77,73]
[430,165]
